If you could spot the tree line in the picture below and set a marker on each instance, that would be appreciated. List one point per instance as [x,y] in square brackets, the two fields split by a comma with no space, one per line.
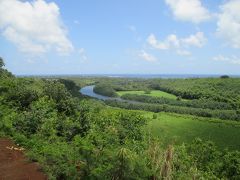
[195,103]
[221,114]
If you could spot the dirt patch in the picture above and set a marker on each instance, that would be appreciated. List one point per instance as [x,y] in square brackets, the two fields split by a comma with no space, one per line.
[14,165]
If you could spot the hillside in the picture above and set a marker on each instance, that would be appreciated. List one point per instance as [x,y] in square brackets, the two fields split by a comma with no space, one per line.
[71,136]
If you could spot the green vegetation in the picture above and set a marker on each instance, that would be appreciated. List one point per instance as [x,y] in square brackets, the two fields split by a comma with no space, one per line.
[1,63]
[207,97]
[105,90]
[177,129]
[224,76]
[221,114]
[216,89]
[195,103]
[73,137]
[225,90]
[153,93]
[81,82]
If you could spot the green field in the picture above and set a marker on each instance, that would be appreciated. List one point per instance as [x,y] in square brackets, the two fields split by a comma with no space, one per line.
[154,93]
[176,129]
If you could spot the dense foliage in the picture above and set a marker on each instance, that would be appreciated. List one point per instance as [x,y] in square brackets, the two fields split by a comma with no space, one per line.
[196,103]
[75,138]
[217,89]
[225,90]
[221,114]
[207,97]
[105,90]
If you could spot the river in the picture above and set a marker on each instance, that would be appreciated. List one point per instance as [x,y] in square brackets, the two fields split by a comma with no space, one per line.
[88,91]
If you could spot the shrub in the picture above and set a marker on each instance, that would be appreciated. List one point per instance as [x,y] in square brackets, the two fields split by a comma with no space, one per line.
[154,116]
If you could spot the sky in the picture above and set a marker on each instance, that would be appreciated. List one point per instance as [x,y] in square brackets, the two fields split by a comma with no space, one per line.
[120,37]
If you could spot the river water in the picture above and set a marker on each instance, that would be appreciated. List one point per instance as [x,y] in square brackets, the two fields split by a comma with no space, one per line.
[88,91]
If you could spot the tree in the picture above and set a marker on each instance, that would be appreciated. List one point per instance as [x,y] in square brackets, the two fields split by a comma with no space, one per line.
[224,77]
[1,62]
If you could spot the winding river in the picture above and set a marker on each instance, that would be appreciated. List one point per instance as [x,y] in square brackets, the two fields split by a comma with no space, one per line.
[88,91]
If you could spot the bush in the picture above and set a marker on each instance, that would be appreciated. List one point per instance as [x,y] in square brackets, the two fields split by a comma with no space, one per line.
[154,116]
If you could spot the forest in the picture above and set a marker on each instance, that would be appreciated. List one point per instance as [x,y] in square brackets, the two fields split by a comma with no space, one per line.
[207,97]
[76,137]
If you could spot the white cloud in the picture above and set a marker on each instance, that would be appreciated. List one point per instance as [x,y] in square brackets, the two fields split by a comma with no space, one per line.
[232,59]
[189,10]
[178,44]
[146,56]
[83,55]
[197,40]
[34,27]
[228,25]
[156,44]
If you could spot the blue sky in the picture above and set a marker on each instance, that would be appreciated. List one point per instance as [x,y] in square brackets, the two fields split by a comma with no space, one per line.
[117,37]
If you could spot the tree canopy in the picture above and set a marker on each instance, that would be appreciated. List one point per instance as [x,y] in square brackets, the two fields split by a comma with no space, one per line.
[1,62]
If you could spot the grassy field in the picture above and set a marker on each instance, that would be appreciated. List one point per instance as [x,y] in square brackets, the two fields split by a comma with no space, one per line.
[154,93]
[176,129]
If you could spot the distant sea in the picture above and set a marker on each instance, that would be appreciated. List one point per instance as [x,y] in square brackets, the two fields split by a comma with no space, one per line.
[143,76]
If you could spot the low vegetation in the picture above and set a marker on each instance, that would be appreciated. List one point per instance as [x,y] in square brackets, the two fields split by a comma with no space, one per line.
[177,129]
[153,93]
